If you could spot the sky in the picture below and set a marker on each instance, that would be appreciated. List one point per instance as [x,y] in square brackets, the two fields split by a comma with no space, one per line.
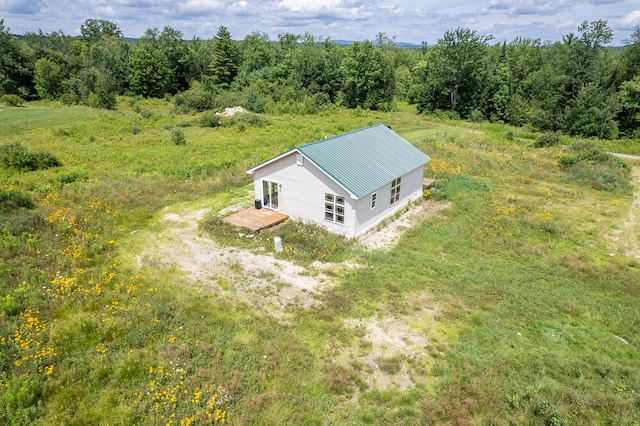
[412,21]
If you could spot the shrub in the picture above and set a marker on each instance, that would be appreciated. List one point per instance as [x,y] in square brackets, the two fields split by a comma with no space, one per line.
[45,160]
[547,140]
[12,100]
[145,113]
[11,200]
[67,178]
[227,99]
[254,101]
[196,99]
[15,156]
[178,137]
[62,131]
[567,160]
[249,120]
[93,100]
[69,98]
[101,99]
[509,135]
[476,116]
[20,400]
[210,119]
[600,170]
[590,153]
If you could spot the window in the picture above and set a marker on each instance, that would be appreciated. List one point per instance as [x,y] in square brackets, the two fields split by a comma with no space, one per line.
[270,194]
[334,208]
[374,198]
[395,191]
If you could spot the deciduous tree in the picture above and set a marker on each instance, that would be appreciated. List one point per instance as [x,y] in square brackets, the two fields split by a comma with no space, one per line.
[94,29]
[368,77]
[455,66]
[14,72]
[48,77]
[149,73]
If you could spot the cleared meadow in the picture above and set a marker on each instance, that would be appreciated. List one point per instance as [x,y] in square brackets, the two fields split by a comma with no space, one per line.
[515,304]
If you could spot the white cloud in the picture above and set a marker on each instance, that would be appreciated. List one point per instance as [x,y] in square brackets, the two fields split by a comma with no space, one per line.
[632,18]
[529,7]
[198,6]
[338,9]
[406,20]
[598,2]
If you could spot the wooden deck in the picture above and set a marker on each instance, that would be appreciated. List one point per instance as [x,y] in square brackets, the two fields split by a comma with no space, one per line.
[427,183]
[255,219]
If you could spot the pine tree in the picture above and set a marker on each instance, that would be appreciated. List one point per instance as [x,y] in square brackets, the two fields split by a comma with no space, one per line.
[224,65]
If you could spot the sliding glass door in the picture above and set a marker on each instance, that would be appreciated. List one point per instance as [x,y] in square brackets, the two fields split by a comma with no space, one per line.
[270,194]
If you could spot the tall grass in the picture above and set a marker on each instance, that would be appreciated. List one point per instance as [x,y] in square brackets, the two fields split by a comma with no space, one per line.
[536,314]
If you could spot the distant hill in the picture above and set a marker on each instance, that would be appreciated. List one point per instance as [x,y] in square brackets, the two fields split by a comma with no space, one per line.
[402,44]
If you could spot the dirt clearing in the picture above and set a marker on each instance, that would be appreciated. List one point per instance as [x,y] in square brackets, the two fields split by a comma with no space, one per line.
[268,284]
[387,349]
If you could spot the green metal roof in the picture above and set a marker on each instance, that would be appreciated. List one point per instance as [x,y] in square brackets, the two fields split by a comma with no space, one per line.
[364,160]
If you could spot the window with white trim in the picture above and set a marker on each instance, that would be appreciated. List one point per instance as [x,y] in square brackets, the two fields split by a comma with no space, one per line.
[374,199]
[395,191]
[334,208]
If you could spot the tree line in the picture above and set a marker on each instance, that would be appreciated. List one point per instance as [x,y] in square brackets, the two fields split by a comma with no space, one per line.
[580,86]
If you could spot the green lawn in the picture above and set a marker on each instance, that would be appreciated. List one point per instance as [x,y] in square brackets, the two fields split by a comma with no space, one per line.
[517,304]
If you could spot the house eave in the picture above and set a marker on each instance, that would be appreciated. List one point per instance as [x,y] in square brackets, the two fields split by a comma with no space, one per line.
[253,170]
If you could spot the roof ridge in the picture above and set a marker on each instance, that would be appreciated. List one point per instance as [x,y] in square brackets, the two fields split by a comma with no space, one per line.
[340,135]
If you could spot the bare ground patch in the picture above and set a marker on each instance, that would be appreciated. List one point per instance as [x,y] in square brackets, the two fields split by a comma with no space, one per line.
[386,235]
[270,285]
[392,351]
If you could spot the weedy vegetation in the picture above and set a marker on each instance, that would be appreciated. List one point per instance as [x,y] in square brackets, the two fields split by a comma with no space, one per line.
[535,307]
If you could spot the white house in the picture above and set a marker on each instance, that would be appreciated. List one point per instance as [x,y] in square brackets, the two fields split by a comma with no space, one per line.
[346,183]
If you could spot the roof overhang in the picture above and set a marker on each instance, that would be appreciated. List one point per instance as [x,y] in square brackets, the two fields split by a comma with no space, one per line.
[273,160]
[253,170]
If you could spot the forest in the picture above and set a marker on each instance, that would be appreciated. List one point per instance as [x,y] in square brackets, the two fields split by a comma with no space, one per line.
[580,86]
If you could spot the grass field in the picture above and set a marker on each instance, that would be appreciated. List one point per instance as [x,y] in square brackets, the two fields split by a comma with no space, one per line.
[518,304]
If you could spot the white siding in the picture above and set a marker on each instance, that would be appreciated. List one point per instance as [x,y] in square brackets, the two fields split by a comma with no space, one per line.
[410,190]
[302,189]
[301,192]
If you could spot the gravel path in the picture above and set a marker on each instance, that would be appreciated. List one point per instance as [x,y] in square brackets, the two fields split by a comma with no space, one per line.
[627,156]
